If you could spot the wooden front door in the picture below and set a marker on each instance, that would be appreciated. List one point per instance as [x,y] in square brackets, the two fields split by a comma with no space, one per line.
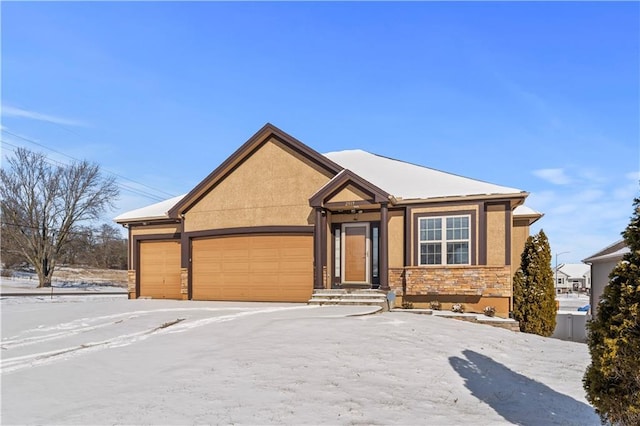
[355,258]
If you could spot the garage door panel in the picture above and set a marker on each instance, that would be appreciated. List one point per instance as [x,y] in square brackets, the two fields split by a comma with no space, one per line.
[253,268]
[160,269]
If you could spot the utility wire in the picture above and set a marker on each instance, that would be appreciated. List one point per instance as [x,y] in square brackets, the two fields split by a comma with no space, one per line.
[75,159]
[122,185]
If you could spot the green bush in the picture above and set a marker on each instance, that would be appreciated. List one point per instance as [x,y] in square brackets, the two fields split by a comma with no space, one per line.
[534,298]
[612,380]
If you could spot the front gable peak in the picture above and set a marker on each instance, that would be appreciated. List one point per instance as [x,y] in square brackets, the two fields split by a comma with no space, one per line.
[266,133]
[346,179]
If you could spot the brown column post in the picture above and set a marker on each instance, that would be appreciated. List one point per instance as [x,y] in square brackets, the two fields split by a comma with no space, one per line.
[317,250]
[384,247]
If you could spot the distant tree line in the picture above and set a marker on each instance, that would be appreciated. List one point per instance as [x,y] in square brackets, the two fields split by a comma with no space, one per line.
[97,247]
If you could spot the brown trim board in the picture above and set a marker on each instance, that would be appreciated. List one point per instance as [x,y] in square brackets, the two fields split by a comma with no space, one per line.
[227,232]
[407,236]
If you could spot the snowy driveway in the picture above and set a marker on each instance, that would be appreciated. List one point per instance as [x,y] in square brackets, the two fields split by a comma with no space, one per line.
[114,361]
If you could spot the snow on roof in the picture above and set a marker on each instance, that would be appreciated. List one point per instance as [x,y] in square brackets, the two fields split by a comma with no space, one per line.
[153,211]
[620,244]
[609,256]
[523,210]
[409,181]
[400,179]
[574,270]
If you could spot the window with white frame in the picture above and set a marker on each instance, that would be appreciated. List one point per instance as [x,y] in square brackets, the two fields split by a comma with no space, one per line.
[444,240]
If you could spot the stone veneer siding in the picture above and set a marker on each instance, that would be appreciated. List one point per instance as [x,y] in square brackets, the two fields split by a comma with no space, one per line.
[131,283]
[184,283]
[484,281]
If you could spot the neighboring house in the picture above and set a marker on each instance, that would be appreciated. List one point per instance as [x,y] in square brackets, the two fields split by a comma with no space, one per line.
[572,277]
[277,220]
[601,265]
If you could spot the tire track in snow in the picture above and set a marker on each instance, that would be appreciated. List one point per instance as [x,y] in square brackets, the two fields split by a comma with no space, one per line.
[82,326]
[8,365]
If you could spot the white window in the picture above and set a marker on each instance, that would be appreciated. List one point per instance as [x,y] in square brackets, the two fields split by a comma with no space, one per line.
[444,240]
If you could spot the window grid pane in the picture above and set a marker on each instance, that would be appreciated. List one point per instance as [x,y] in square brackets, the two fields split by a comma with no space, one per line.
[455,245]
[457,253]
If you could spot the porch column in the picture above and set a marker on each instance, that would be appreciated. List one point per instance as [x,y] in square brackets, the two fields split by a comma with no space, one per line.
[317,250]
[384,247]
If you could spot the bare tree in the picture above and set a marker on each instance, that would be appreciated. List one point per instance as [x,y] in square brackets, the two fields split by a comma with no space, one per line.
[42,203]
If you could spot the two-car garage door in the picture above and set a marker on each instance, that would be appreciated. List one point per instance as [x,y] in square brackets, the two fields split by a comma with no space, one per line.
[275,268]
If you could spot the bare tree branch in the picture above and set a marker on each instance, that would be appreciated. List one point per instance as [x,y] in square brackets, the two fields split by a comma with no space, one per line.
[44,203]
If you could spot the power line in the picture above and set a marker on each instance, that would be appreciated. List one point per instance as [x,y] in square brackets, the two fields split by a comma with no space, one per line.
[75,159]
[122,185]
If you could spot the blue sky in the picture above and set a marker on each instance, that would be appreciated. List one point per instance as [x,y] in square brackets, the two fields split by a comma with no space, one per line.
[540,96]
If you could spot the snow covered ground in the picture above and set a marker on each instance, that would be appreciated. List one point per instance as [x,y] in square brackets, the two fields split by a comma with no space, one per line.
[28,283]
[99,360]
[572,301]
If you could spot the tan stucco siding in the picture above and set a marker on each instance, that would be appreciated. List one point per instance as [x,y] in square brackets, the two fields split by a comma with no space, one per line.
[353,217]
[445,211]
[348,194]
[138,231]
[519,235]
[155,229]
[496,234]
[271,187]
[396,239]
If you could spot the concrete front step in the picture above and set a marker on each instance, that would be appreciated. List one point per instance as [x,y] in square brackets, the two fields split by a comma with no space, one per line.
[349,297]
[317,300]
[348,291]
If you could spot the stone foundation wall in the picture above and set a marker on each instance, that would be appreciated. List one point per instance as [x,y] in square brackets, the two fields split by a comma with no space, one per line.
[131,283]
[184,283]
[474,286]
[489,281]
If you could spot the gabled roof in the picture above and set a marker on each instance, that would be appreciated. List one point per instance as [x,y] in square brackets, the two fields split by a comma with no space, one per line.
[409,181]
[155,211]
[341,181]
[379,176]
[526,212]
[574,270]
[611,252]
[249,147]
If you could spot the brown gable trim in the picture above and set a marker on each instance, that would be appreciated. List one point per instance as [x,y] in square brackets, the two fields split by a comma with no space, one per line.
[255,230]
[246,150]
[340,182]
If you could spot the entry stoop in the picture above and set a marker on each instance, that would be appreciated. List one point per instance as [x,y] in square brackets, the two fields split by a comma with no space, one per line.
[350,297]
